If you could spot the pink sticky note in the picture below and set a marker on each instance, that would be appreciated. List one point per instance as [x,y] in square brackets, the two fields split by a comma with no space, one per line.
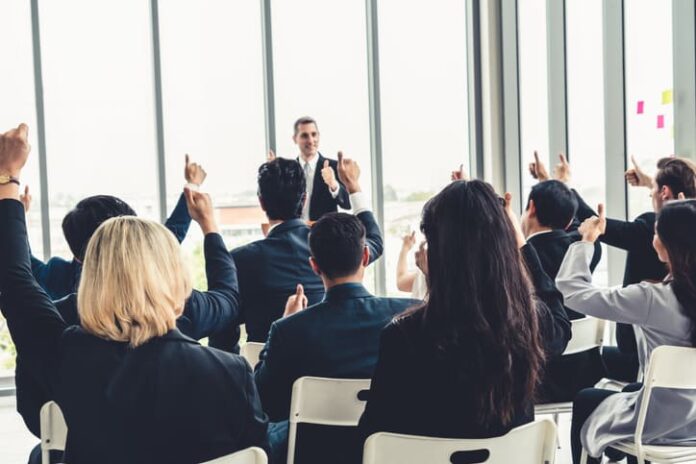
[660,121]
[641,107]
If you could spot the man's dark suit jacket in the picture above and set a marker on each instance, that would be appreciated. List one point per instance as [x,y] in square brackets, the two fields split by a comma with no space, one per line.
[642,262]
[59,277]
[418,389]
[337,338]
[321,201]
[269,271]
[168,400]
[204,313]
[565,376]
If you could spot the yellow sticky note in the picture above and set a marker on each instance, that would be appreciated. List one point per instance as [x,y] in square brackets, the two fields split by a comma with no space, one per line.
[667,97]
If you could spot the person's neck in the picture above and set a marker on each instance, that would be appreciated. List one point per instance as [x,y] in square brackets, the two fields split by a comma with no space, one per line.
[353,279]
[274,222]
[535,229]
[309,158]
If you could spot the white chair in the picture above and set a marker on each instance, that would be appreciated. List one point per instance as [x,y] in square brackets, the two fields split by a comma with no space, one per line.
[669,367]
[529,444]
[54,430]
[251,352]
[322,401]
[588,333]
[251,455]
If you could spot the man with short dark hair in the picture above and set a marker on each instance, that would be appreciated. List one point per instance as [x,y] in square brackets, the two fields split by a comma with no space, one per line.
[270,269]
[338,337]
[324,190]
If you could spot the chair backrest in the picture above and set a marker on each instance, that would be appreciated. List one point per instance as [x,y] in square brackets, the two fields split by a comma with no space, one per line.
[588,333]
[251,455]
[251,351]
[323,401]
[54,430]
[669,367]
[533,443]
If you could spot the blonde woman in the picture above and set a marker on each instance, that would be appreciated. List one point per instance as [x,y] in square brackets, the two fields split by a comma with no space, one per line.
[131,386]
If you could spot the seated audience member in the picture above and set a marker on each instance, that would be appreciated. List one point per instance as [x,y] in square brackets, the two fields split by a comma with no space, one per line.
[270,269]
[661,313]
[204,312]
[411,281]
[338,337]
[550,211]
[131,386]
[675,177]
[59,277]
[466,363]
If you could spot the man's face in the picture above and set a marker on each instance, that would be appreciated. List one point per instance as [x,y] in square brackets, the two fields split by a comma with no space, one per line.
[307,139]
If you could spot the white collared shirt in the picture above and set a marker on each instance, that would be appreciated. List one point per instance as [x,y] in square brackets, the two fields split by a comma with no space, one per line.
[539,233]
[310,170]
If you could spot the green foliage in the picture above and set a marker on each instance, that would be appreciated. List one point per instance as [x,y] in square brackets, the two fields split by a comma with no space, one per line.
[7,348]
[420,196]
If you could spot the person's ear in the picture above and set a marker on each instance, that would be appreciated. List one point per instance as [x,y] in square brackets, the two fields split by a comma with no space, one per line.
[365,261]
[667,194]
[531,209]
[263,207]
[314,266]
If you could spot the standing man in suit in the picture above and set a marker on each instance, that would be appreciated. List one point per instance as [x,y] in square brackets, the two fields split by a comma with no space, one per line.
[338,337]
[270,269]
[325,192]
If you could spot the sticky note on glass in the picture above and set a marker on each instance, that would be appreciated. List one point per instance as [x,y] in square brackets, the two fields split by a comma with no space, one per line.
[660,121]
[667,97]
[641,107]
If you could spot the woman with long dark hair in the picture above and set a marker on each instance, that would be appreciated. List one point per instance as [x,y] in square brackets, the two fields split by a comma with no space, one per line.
[663,313]
[467,362]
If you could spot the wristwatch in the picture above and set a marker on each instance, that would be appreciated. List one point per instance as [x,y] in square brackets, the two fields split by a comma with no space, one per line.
[6,179]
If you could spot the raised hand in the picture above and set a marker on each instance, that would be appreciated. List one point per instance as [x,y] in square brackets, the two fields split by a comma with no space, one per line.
[562,170]
[296,302]
[461,174]
[194,172]
[271,156]
[200,208]
[636,177]
[14,150]
[409,240]
[349,173]
[25,198]
[422,258]
[593,227]
[329,176]
[537,168]
[514,220]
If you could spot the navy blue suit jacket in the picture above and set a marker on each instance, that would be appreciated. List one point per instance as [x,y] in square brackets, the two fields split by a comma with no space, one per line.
[321,201]
[60,277]
[168,400]
[337,338]
[269,271]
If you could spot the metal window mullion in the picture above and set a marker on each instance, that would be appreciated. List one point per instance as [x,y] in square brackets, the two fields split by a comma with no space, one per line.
[557,77]
[684,63]
[41,129]
[475,110]
[268,83]
[159,114]
[615,124]
[371,8]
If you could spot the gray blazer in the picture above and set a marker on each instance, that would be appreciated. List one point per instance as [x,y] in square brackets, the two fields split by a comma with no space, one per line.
[657,319]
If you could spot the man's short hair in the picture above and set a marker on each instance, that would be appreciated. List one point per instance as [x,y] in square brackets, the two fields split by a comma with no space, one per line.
[336,242]
[677,174]
[304,120]
[282,187]
[555,204]
[81,222]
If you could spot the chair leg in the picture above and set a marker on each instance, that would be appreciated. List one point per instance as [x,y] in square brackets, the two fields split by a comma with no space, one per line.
[558,439]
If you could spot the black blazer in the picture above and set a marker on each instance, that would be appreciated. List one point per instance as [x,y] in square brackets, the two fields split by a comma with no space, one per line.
[337,338]
[169,400]
[204,313]
[642,262]
[415,389]
[321,201]
[269,271]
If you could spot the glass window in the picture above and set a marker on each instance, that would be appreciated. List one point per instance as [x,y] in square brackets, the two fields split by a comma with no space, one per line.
[533,76]
[424,111]
[213,109]
[585,87]
[649,108]
[100,123]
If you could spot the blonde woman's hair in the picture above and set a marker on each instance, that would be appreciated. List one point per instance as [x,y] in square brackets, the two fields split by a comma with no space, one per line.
[134,281]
